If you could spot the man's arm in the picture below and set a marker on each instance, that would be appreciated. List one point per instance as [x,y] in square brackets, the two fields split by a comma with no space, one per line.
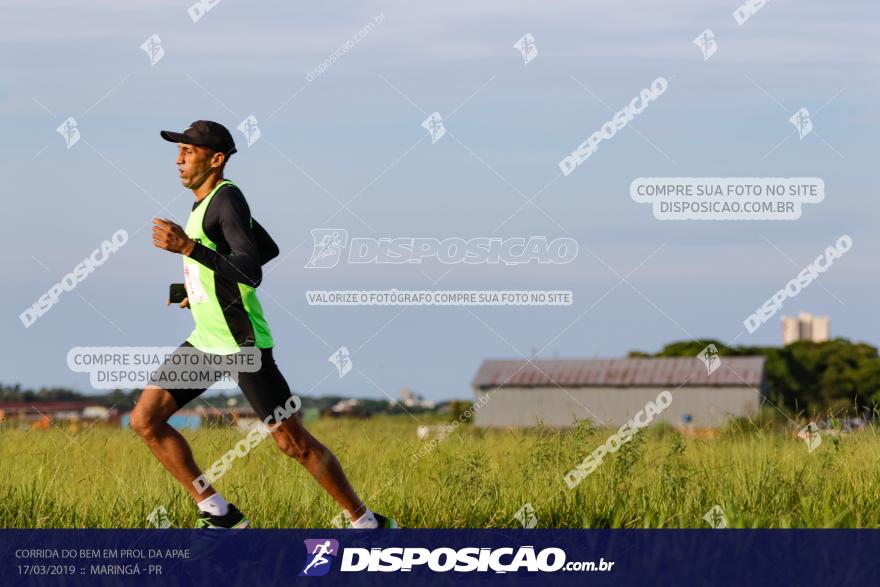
[228,215]
[268,248]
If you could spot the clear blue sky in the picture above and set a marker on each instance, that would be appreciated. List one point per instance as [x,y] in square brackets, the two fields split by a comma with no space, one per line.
[356,129]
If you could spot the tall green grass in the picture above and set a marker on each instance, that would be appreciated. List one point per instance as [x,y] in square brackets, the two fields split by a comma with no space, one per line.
[106,478]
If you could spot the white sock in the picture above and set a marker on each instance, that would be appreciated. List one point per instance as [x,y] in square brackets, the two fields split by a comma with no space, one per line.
[368,520]
[214,505]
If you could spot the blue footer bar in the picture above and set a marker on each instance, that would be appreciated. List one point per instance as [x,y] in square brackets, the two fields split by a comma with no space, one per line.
[373,557]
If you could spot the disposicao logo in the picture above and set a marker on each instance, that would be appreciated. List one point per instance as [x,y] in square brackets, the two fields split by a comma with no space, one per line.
[320,553]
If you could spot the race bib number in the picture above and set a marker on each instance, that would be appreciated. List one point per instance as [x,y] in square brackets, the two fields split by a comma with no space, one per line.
[195,290]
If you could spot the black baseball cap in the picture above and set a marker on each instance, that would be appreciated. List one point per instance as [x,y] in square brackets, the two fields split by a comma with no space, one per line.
[204,133]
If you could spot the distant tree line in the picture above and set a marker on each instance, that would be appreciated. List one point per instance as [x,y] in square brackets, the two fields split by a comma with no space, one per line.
[124,400]
[15,393]
[837,375]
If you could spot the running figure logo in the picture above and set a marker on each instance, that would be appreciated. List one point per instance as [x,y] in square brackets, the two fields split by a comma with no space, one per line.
[319,556]
[153,48]
[707,44]
[342,359]
[526,46]
[328,244]
[434,125]
[810,435]
[250,129]
[68,129]
[709,357]
[158,518]
[802,122]
[526,516]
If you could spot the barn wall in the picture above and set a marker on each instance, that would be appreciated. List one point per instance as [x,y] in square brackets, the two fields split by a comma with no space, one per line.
[708,406]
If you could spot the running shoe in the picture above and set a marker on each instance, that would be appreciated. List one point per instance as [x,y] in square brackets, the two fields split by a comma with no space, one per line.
[385,522]
[233,519]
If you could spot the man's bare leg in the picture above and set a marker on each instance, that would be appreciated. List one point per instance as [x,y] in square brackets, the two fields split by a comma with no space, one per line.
[149,420]
[294,440]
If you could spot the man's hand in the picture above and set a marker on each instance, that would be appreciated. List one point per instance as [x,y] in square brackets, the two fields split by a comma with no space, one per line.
[171,237]
[184,303]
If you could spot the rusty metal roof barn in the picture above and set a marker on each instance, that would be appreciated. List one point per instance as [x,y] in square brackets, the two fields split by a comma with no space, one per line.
[630,372]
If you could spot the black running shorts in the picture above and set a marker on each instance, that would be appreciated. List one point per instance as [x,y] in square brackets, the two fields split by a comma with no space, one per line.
[265,389]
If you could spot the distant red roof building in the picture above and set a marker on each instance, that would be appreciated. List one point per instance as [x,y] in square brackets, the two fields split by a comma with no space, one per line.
[640,372]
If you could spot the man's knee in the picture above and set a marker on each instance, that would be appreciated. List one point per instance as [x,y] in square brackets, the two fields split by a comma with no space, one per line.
[143,423]
[299,449]
[148,414]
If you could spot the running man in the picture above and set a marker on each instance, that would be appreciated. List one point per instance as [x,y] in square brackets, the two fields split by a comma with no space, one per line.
[222,259]
[320,550]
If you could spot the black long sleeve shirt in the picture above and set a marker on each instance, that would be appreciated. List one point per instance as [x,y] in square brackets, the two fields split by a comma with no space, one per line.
[242,248]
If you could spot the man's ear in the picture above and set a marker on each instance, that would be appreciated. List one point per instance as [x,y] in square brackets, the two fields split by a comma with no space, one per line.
[218,160]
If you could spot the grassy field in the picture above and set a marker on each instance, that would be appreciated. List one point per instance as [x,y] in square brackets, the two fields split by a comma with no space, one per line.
[106,478]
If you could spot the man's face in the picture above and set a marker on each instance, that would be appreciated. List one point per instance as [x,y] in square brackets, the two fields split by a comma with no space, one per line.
[194,164]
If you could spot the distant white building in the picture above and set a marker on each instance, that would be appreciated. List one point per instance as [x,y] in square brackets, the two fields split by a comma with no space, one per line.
[344,406]
[411,399]
[805,327]
[559,392]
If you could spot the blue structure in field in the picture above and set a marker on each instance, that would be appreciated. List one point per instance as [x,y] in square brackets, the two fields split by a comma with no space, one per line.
[178,421]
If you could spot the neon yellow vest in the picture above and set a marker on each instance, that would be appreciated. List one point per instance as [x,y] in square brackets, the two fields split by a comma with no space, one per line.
[212,332]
